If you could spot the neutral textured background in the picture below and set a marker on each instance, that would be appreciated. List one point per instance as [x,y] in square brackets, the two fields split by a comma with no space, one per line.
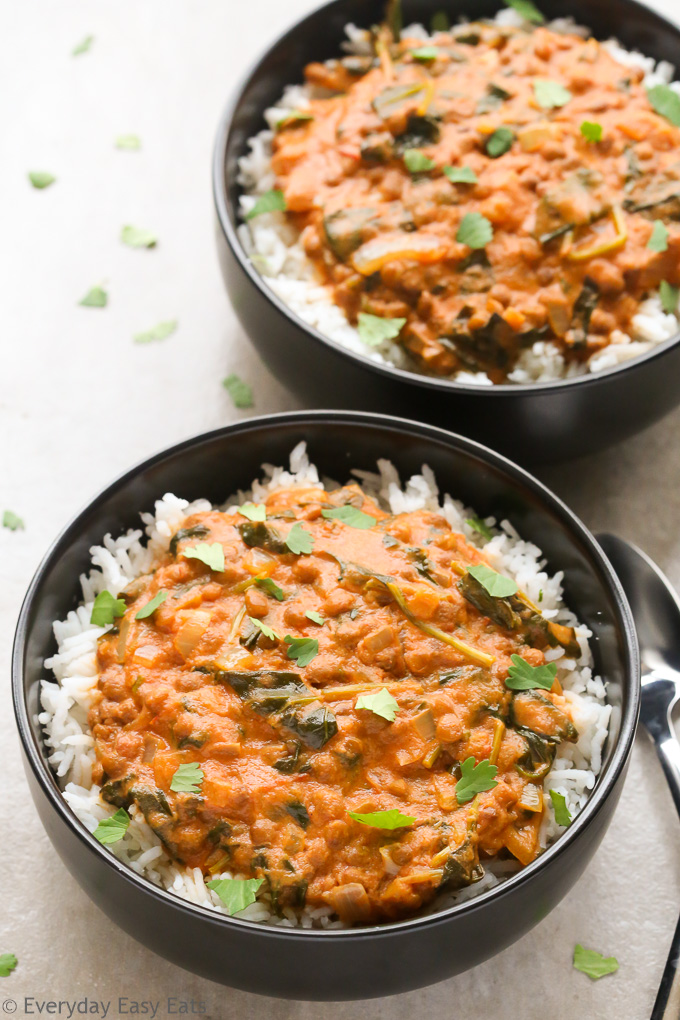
[79,402]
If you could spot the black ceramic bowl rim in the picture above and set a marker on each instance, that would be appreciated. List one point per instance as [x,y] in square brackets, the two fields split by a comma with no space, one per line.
[605,781]
[224,207]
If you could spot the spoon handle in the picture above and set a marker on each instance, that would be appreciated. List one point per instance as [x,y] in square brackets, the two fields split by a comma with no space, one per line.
[667,1004]
[668,749]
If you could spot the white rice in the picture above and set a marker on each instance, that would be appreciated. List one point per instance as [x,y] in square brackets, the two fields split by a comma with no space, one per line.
[273,245]
[66,702]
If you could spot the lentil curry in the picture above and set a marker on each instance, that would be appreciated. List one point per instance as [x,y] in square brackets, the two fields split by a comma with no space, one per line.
[338,683]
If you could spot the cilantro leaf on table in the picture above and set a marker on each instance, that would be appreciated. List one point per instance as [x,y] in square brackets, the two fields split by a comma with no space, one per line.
[594,964]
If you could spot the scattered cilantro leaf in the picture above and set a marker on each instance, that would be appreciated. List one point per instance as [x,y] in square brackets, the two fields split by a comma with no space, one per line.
[594,964]
[527,10]
[315,617]
[460,174]
[666,102]
[591,131]
[475,779]
[129,142]
[439,22]
[138,237]
[350,515]
[96,297]
[302,649]
[425,53]
[41,179]
[474,230]
[152,605]
[8,962]
[159,332]
[83,46]
[496,584]
[271,587]
[271,201]
[499,142]
[416,162]
[562,813]
[658,240]
[669,297]
[550,94]
[292,117]
[381,703]
[210,553]
[187,778]
[266,630]
[236,893]
[240,392]
[299,540]
[478,525]
[523,677]
[12,521]
[392,819]
[253,511]
[112,829]
[374,330]
[106,608]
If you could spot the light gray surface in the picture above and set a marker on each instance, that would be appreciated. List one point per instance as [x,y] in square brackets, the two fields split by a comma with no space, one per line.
[79,402]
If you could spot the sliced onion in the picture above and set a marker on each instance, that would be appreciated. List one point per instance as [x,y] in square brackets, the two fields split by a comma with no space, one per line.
[376,253]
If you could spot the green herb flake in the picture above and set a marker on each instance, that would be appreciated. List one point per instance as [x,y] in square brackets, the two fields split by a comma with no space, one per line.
[475,779]
[240,392]
[130,143]
[187,778]
[527,10]
[96,297]
[417,162]
[236,893]
[658,240]
[591,131]
[392,819]
[150,608]
[374,330]
[439,22]
[523,677]
[478,525]
[562,813]
[210,553]
[266,630]
[253,511]
[159,332]
[594,964]
[350,515]
[550,94]
[12,521]
[271,201]
[474,230]
[8,962]
[83,46]
[112,830]
[302,649]
[271,587]
[460,174]
[299,540]
[41,179]
[499,142]
[293,117]
[106,608]
[138,237]
[425,54]
[666,102]
[381,703]
[669,297]
[315,617]
[496,584]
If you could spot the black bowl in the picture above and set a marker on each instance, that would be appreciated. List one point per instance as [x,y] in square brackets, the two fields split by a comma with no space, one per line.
[352,963]
[533,423]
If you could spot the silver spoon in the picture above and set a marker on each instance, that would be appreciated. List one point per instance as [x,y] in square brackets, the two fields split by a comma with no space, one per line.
[656,611]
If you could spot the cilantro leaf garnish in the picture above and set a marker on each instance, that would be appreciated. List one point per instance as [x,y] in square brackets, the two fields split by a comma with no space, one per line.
[374,330]
[240,392]
[112,829]
[460,174]
[41,179]
[669,297]
[299,540]
[253,511]
[303,649]
[138,237]
[8,962]
[12,521]
[550,94]
[106,608]
[152,605]
[350,515]
[271,587]
[523,677]
[527,10]
[658,240]
[96,297]
[315,617]
[129,142]
[498,143]
[159,332]
[594,964]
[187,778]
[666,102]
[266,630]
[475,779]
[496,584]
[417,162]
[392,819]
[425,53]
[478,525]
[236,893]
[474,230]
[210,553]
[591,131]
[83,46]
[381,703]
[271,201]
[562,813]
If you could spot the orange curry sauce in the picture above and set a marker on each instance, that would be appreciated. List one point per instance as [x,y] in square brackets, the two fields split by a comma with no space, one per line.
[570,218]
[285,752]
